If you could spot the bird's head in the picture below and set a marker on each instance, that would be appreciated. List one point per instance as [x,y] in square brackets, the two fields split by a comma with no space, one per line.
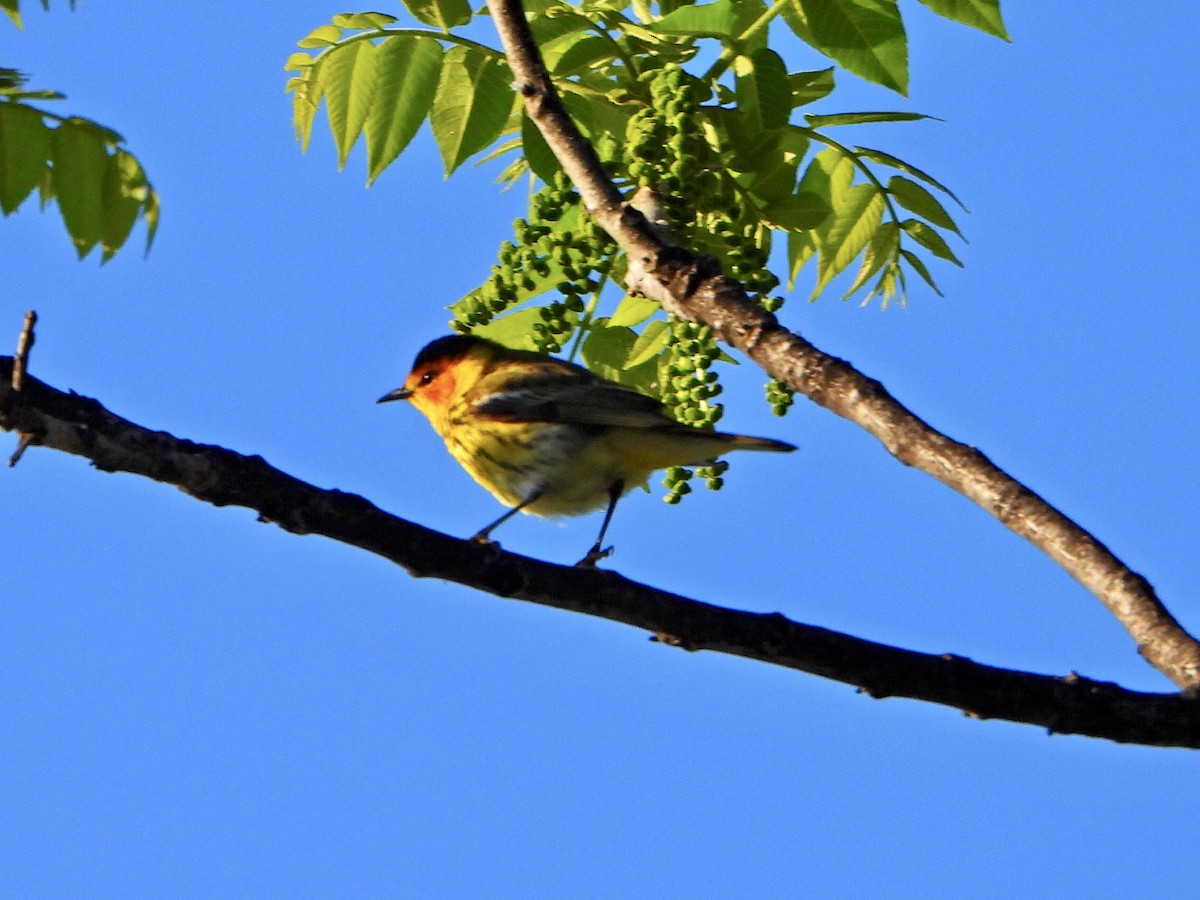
[443,370]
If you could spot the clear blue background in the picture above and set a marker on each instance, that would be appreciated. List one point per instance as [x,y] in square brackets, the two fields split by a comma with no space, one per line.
[195,704]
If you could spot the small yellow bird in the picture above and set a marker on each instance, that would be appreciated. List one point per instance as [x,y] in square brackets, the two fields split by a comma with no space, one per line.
[546,436]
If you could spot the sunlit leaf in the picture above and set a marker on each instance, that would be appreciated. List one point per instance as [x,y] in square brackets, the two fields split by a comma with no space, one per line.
[80,168]
[443,14]
[348,75]
[865,36]
[25,147]
[880,251]
[649,343]
[798,212]
[886,159]
[763,91]
[857,214]
[406,76]
[919,267]
[470,106]
[306,89]
[930,240]
[801,247]
[514,330]
[364,20]
[324,36]
[981,14]
[863,118]
[916,199]
[581,55]
[634,310]
[718,19]
[808,87]
[537,152]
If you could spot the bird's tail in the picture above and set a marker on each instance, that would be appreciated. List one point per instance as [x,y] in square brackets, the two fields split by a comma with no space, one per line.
[745,442]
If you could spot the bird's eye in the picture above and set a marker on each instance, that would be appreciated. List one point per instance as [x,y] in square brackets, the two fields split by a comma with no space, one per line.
[426,378]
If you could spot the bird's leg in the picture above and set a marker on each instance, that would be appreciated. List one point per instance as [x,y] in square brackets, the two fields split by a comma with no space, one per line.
[483,536]
[615,490]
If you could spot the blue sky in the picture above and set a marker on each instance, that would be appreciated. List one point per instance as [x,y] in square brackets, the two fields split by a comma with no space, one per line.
[195,704]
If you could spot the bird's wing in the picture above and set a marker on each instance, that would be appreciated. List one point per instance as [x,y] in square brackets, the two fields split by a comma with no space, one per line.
[569,397]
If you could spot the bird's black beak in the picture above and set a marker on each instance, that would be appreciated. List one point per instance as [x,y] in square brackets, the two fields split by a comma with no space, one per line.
[397,394]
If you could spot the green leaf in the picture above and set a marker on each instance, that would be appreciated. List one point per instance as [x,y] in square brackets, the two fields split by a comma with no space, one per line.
[471,104]
[763,92]
[514,330]
[981,14]
[406,76]
[800,248]
[443,14]
[10,7]
[633,310]
[547,30]
[828,175]
[886,159]
[798,212]
[916,199]
[348,75]
[772,177]
[124,191]
[298,62]
[863,118]
[606,350]
[598,117]
[930,240]
[324,36]
[883,249]
[306,89]
[80,170]
[808,87]
[865,36]
[919,267]
[364,20]
[649,343]
[537,152]
[717,20]
[857,214]
[581,55]
[25,144]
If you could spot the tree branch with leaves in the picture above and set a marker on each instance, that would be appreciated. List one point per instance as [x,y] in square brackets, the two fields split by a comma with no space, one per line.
[671,166]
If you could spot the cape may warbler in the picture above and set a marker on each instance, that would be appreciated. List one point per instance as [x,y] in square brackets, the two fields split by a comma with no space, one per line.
[546,436]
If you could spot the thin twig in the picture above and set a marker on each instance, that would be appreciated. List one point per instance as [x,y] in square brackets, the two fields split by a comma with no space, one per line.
[24,345]
[20,367]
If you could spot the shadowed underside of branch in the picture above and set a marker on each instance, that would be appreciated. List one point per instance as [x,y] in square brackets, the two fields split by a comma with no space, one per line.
[692,287]
[1073,705]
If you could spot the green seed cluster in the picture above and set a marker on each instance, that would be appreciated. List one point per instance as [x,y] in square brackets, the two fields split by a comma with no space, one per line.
[666,148]
[688,387]
[780,397]
[543,257]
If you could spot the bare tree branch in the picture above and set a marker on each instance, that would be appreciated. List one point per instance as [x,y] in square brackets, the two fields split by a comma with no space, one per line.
[692,287]
[1069,705]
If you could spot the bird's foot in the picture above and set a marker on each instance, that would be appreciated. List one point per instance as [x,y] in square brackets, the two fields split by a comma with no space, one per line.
[594,556]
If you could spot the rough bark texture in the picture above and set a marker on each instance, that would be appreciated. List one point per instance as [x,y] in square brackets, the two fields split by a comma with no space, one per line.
[1070,705]
[692,287]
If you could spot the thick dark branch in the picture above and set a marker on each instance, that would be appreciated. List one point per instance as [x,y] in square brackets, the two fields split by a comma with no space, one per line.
[693,287]
[1070,705]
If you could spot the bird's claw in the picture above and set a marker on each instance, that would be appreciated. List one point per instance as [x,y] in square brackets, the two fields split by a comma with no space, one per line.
[594,556]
